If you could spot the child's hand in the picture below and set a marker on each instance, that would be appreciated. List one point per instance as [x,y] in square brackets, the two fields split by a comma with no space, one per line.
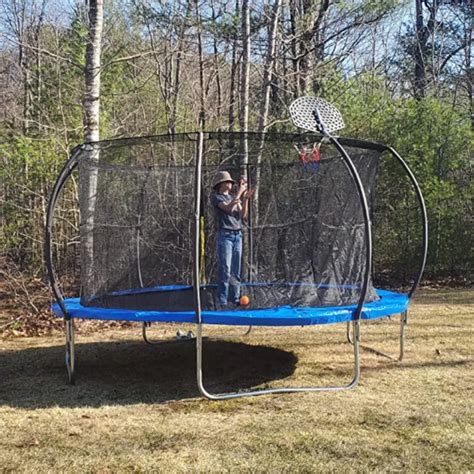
[242,187]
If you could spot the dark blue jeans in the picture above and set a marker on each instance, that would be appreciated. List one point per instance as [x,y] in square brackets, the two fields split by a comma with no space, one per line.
[229,257]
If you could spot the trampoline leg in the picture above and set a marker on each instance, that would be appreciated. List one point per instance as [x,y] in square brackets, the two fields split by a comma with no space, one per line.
[252,393]
[145,337]
[70,360]
[147,324]
[356,342]
[403,323]
[349,334]
[246,333]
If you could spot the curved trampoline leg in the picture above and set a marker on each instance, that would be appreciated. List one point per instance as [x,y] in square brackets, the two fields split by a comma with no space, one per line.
[246,333]
[252,393]
[189,336]
[403,323]
[70,359]
[350,340]
[356,344]
[146,325]
[185,337]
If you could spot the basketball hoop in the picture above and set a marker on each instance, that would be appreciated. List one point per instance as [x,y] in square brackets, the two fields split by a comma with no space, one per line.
[316,115]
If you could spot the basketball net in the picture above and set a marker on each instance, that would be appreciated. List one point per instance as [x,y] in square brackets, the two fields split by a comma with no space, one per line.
[310,156]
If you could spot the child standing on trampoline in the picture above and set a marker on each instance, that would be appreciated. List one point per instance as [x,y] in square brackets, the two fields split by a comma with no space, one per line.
[230,210]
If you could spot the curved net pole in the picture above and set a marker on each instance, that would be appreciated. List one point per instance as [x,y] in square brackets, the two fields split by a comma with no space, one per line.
[424,249]
[66,172]
[421,202]
[317,115]
[318,124]
[424,246]
[367,225]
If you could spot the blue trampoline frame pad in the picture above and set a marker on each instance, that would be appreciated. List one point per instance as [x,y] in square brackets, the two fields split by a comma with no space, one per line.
[389,303]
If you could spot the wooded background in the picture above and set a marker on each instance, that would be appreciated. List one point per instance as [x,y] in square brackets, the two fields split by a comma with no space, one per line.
[399,71]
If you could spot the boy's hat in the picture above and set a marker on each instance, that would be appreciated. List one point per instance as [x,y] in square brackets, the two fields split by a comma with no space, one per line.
[222,177]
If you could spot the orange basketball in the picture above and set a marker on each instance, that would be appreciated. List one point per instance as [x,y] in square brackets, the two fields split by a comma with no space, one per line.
[244,300]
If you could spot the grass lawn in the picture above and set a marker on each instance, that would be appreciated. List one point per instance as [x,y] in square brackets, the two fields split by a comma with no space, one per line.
[136,408]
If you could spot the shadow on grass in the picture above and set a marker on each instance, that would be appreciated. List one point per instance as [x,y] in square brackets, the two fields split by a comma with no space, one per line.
[129,372]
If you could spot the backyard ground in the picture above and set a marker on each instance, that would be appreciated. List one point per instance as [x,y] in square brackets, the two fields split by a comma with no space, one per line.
[136,408]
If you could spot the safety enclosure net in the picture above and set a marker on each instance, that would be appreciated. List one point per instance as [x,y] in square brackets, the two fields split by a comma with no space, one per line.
[304,240]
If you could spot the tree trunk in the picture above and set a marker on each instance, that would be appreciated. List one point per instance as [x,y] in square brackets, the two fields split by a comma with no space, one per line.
[92,71]
[294,50]
[269,67]
[38,75]
[420,52]
[176,86]
[91,128]
[318,41]
[218,75]
[469,69]
[244,83]
[233,75]
[202,93]
[264,106]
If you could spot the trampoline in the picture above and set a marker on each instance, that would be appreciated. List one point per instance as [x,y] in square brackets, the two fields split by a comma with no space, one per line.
[387,304]
[148,233]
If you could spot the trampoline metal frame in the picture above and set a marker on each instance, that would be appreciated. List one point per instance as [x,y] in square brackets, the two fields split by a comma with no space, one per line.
[352,336]
[424,247]
[401,352]
[146,325]
[70,350]
[65,173]
[197,285]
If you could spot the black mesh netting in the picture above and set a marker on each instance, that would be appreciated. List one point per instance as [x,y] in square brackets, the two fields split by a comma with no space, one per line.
[304,241]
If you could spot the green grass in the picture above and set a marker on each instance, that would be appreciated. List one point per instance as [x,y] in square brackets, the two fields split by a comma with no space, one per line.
[136,408]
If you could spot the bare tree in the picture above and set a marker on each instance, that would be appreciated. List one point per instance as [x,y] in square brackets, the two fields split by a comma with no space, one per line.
[266,86]
[245,81]
[233,75]
[216,65]
[24,20]
[420,51]
[91,124]
[269,66]
[92,71]
[202,92]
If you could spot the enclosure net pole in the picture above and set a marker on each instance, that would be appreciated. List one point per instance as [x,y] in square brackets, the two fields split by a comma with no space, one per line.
[66,172]
[250,228]
[424,218]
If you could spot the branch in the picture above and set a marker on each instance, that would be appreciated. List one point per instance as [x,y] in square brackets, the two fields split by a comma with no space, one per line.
[451,54]
[129,58]
[346,28]
[47,53]
[355,24]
